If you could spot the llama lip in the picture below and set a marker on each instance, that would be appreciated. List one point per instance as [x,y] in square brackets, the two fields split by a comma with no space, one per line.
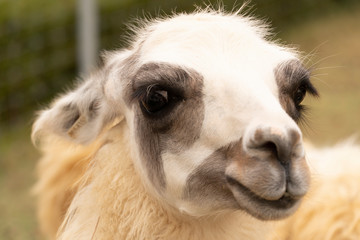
[259,207]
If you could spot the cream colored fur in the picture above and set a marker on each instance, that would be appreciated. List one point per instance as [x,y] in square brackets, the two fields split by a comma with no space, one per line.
[112,203]
[100,191]
[331,210]
[60,171]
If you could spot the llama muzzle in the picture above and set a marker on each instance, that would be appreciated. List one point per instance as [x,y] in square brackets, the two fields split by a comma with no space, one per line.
[268,168]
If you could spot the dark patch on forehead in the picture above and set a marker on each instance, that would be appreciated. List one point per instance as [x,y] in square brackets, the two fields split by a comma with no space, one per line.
[178,128]
[291,75]
[207,183]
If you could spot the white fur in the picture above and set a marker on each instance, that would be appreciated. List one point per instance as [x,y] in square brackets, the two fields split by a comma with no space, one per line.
[244,70]
[240,96]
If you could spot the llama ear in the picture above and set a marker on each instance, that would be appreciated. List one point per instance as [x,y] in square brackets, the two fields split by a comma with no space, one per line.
[79,116]
[82,114]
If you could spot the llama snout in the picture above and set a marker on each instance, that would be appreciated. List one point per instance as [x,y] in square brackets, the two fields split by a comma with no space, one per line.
[268,166]
[281,147]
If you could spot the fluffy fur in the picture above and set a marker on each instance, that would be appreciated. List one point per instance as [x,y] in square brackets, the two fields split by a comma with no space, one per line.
[104,190]
[329,212]
[124,209]
[332,208]
[112,203]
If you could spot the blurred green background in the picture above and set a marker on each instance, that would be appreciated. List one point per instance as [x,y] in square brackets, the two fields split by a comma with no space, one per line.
[38,60]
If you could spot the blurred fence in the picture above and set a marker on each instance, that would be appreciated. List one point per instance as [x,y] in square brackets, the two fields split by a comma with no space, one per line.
[37,53]
[38,45]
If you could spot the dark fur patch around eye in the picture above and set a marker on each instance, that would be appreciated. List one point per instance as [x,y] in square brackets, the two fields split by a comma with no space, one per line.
[290,76]
[175,130]
[161,75]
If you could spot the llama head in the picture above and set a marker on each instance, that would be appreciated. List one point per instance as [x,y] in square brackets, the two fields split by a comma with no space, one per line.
[211,106]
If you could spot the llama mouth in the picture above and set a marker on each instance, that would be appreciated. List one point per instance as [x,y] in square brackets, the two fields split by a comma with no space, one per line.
[259,207]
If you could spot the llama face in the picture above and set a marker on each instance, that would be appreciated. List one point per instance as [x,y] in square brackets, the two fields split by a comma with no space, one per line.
[211,107]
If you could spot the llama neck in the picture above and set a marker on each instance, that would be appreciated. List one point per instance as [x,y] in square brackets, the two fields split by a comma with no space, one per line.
[125,210]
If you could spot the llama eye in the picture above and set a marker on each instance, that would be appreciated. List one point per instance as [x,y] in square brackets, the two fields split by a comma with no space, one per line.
[299,95]
[155,100]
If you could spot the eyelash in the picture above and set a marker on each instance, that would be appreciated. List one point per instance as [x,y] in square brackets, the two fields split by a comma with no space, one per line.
[306,88]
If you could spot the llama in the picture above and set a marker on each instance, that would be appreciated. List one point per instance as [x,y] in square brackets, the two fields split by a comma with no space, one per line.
[189,133]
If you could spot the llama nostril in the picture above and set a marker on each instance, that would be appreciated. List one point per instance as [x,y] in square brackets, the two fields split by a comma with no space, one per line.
[278,143]
[269,147]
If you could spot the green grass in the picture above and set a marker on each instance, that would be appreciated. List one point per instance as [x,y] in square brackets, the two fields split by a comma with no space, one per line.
[335,43]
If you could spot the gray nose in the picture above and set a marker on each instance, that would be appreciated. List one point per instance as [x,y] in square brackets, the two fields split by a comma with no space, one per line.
[275,165]
[284,144]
